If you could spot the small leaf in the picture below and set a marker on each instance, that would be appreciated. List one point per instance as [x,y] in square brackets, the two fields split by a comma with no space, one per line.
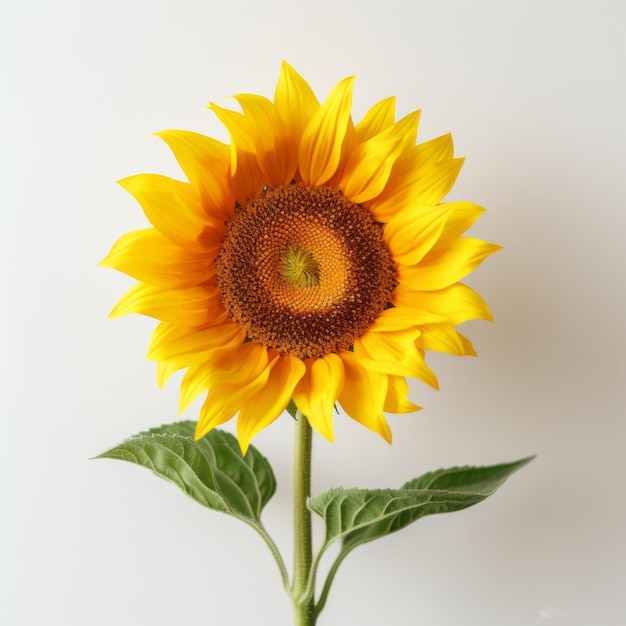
[292,409]
[360,515]
[211,470]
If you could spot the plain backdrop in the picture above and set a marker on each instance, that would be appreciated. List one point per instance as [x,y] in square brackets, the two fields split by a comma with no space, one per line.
[533,92]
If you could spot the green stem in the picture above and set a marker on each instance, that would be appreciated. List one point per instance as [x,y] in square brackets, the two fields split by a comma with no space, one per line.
[284,576]
[302,591]
[321,603]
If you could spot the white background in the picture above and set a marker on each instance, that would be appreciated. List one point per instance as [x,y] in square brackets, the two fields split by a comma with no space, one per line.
[533,91]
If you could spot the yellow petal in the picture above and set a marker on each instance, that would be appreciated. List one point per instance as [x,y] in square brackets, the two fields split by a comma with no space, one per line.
[276,152]
[413,185]
[348,146]
[244,363]
[436,182]
[240,130]
[446,265]
[462,216]
[378,118]
[456,303]
[173,207]
[259,411]
[401,318]
[316,393]
[195,382]
[407,168]
[149,256]
[206,163]
[167,367]
[394,353]
[216,410]
[320,149]
[177,347]
[246,175]
[412,232]
[369,165]
[363,395]
[437,149]
[239,367]
[396,400]
[169,340]
[407,129]
[223,403]
[294,100]
[188,307]
[441,337]
[247,182]
[468,348]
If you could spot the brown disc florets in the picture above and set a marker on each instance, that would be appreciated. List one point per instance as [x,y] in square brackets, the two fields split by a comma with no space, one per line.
[304,270]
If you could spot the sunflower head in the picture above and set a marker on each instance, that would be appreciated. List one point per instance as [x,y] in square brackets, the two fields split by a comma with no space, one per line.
[312,259]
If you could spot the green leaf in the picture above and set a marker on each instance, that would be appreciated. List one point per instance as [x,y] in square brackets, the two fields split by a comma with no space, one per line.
[360,515]
[212,470]
[483,480]
[357,516]
[292,409]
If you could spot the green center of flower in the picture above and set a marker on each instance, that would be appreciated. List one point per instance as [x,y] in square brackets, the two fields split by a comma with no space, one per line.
[304,270]
[300,268]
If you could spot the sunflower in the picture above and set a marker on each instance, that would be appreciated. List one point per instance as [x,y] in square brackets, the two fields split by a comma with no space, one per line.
[311,260]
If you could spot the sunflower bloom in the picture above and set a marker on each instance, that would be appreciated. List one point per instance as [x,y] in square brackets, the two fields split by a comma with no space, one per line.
[312,260]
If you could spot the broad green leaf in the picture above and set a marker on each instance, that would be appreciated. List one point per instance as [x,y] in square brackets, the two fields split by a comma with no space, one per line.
[251,474]
[359,515]
[211,470]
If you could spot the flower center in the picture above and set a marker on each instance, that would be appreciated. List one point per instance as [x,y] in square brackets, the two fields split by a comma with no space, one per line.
[300,268]
[304,270]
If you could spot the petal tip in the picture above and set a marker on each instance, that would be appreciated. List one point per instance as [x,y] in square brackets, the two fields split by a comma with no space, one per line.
[116,312]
